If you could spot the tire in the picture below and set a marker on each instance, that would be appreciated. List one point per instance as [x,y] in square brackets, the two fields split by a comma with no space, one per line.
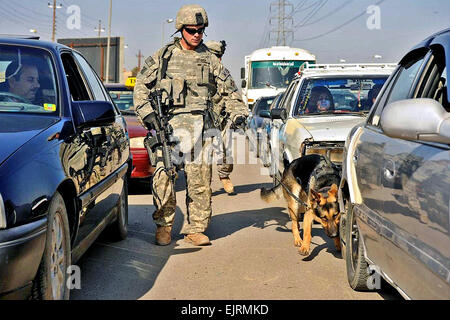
[118,230]
[342,226]
[51,279]
[356,265]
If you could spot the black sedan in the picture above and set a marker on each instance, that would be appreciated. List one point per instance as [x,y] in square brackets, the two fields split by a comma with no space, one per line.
[64,160]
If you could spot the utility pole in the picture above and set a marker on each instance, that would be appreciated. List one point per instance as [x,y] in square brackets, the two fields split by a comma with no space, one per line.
[54,7]
[100,29]
[109,42]
[283,20]
[139,56]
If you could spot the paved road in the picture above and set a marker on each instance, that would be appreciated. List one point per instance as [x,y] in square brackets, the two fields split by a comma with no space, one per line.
[251,257]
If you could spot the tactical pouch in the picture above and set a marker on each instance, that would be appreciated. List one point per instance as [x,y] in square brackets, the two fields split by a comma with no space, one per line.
[166,87]
[203,74]
[179,92]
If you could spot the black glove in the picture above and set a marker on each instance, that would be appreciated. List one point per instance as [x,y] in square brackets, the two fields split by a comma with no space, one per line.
[149,121]
[239,121]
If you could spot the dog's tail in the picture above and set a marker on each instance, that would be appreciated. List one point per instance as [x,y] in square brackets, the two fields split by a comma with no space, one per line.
[269,195]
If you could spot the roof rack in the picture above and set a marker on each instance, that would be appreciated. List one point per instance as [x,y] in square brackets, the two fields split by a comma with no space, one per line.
[308,68]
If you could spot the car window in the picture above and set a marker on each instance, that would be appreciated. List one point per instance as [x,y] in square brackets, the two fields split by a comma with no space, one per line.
[288,100]
[91,78]
[434,83]
[27,80]
[342,94]
[77,87]
[404,81]
[263,104]
[122,98]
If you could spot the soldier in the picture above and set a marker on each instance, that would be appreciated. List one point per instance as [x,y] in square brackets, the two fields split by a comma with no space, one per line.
[237,106]
[187,72]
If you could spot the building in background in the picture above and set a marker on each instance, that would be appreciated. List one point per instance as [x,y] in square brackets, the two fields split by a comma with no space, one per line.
[94,50]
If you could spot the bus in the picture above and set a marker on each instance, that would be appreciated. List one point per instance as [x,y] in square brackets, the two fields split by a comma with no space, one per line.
[269,71]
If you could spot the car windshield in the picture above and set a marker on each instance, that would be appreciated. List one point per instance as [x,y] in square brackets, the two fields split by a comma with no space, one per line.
[27,81]
[263,104]
[278,74]
[123,98]
[338,95]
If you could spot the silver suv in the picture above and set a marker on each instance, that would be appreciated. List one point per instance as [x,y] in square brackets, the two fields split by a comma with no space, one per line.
[395,189]
[320,107]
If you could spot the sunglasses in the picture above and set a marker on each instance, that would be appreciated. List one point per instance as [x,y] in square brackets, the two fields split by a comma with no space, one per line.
[194,31]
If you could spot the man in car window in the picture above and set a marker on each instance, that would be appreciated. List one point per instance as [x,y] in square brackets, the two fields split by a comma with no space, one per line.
[22,81]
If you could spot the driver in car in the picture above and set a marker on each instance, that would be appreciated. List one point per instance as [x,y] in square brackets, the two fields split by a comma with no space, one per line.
[321,100]
[22,81]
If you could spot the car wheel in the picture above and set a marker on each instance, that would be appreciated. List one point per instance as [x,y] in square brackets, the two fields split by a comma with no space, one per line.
[51,278]
[357,266]
[343,224]
[118,230]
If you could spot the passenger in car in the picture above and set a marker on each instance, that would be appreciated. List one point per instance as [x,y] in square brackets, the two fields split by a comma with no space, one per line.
[320,100]
[372,96]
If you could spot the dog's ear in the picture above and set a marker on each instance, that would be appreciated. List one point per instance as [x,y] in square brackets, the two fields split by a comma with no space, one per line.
[333,190]
[332,193]
[316,196]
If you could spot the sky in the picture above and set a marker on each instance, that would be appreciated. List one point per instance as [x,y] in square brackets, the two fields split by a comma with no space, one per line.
[330,29]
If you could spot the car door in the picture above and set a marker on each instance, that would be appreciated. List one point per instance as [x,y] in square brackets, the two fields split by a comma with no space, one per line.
[369,163]
[415,184]
[88,154]
[280,144]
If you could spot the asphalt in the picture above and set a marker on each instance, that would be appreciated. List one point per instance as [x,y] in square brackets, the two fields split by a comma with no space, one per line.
[252,255]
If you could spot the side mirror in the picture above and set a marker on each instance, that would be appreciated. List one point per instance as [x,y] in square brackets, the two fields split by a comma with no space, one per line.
[88,114]
[243,84]
[264,113]
[416,119]
[278,113]
[242,73]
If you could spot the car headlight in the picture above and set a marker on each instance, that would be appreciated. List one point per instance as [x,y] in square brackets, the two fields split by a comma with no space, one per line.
[2,214]
[137,142]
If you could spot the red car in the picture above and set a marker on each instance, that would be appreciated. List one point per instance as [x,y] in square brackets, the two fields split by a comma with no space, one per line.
[123,98]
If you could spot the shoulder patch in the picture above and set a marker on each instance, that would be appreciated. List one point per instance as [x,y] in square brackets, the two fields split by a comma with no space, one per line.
[149,61]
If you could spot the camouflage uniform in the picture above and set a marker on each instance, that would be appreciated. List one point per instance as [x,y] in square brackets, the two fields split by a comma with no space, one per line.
[234,107]
[192,78]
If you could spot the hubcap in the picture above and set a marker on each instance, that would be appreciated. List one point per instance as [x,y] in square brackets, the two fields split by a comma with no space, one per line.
[58,260]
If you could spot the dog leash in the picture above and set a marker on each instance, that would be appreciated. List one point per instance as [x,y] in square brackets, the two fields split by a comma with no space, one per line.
[292,195]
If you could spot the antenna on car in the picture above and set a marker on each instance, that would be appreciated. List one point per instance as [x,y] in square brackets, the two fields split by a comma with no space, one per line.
[19,36]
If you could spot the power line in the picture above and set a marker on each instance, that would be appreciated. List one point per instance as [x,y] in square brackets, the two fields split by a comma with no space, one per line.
[312,13]
[338,27]
[327,15]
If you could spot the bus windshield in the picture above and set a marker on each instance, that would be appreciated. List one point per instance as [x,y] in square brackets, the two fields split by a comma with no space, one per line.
[273,73]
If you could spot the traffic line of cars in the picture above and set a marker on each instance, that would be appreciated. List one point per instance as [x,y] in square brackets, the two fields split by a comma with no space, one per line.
[388,130]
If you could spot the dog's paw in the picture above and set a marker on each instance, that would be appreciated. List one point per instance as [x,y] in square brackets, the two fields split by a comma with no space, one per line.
[303,250]
[297,242]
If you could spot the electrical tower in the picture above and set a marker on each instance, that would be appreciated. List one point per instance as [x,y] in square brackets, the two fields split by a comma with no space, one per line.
[282,22]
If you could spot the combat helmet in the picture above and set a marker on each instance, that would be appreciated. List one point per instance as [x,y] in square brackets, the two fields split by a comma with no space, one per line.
[191,14]
[216,47]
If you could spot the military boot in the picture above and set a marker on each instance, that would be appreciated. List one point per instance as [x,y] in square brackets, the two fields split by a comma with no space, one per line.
[227,185]
[197,239]
[163,236]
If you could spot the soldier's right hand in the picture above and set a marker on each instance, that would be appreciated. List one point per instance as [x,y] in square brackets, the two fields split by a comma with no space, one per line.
[149,121]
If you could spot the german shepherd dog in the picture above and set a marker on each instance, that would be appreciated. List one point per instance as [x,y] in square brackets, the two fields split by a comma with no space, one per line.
[314,180]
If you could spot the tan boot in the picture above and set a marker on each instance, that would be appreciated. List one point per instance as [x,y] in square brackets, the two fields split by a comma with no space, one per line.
[163,236]
[197,239]
[227,185]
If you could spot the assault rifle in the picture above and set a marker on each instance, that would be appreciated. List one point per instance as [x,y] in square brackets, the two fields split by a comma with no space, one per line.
[159,121]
